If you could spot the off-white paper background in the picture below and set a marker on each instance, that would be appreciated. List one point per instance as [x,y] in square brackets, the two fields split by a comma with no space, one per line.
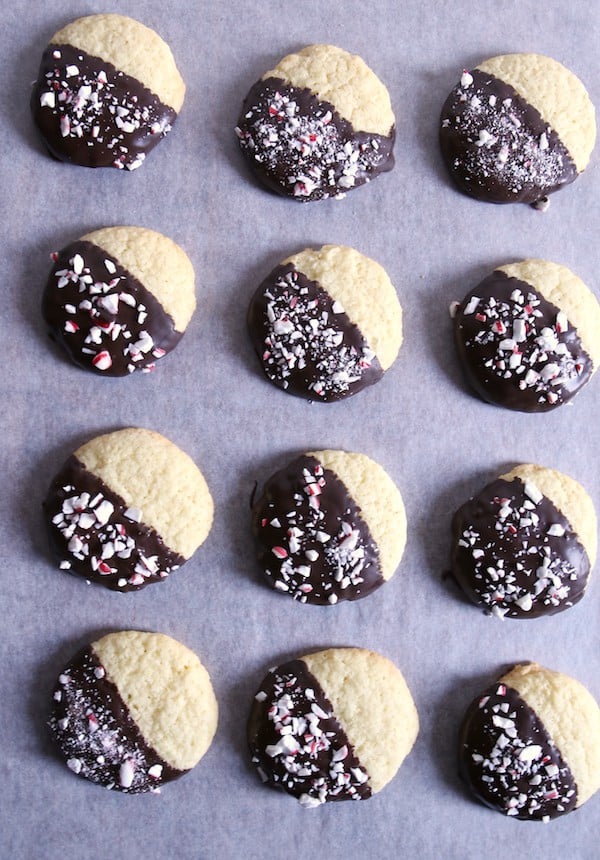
[438,442]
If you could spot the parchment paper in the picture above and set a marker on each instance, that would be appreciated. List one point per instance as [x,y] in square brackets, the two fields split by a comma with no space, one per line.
[437,441]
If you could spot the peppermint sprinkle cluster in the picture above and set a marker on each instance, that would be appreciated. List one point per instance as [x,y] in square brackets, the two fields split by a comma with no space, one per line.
[310,555]
[523,346]
[302,144]
[309,756]
[104,318]
[307,337]
[520,768]
[95,742]
[102,109]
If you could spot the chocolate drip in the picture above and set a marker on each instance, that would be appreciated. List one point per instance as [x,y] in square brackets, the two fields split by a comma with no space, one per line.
[509,760]
[515,554]
[95,535]
[92,114]
[305,341]
[105,318]
[313,543]
[301,147]
[96,733]
[497,146]
[296,742]
[517,349]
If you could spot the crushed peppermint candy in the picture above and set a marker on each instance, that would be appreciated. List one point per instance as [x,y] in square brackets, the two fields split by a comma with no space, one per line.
[306,343]
[93,535]
[515,554]
[103,316]
[320,550]
[510,761]
[92,114]
[301,147]
[297,743]
[96,735]
[498,147]
[518,349]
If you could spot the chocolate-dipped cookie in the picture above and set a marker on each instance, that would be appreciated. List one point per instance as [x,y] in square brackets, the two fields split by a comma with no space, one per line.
[517,128]
[530,744]
[329,526]
[317,125]
[325,323]
[107,92]
[119,299]
[133,710]
[528,336]
[335,725]
[526,544]
[127,509]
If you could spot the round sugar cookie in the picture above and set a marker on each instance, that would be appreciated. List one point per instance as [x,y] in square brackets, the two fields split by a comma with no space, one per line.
[317,125]
[325,323]
[330,526]
[530,744]
[127,509]
[528,336]
[517,128]
[107,92]
[133,710]
[526,544]
[335,725]
[119,299]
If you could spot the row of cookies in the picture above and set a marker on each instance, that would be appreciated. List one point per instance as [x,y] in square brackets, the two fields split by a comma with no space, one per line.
[135,710]
[326,322]
[318,124]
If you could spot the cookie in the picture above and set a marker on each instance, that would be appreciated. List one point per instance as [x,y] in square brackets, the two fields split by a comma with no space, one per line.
[335,725]
[133,710]
[517,128]
[330,526]
[325,323]
[107,92]
[127,509]
[317,125]
[526,544]
[530,744]
[119,299]
[528,336]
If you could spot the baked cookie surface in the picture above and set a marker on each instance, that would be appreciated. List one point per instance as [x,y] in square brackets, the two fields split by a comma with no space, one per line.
[526,544]
[127,509]
[108,91]
[528,336]
[330,526]
[530,744]
[119,299]
[325,323]
[133,710]
[317,125]
[334,725]
[517,128]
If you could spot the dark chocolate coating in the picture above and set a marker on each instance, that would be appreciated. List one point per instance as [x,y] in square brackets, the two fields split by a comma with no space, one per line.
[106,320]
[90,113]
[510,762]
[517,557]
[92,533]
[96,733]
[305,343]
[498,147]
[312,541]
[517,349]
[300,146]
[315,762]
